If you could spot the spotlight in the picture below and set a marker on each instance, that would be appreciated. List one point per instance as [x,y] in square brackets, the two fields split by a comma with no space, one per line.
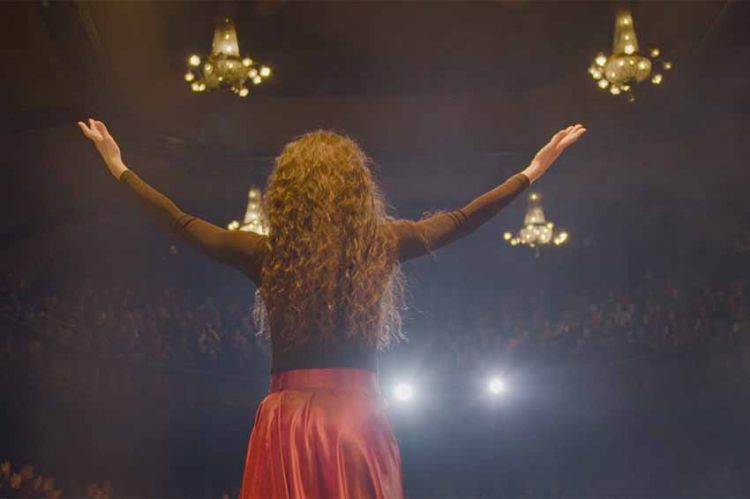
[496,386]
[403,392]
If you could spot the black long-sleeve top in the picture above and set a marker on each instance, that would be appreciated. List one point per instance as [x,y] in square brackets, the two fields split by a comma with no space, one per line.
[247,251]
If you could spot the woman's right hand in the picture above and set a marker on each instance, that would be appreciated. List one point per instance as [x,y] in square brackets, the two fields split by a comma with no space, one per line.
[97,132]
[552,150]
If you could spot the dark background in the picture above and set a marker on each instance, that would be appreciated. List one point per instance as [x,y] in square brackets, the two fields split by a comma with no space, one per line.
[449,99]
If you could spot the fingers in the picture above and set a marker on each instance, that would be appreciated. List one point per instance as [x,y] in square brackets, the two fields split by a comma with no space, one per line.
[102,128]
[565,132]
[88,132]
[573,136]
[84,128]
[559,135]
[95,130]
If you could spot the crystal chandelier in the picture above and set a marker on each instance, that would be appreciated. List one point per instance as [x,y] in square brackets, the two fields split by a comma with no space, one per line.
[536,230]
[255,218]
[224,68]
[626,66]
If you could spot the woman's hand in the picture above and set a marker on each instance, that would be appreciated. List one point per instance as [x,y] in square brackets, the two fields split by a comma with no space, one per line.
[552,150]
[97,132]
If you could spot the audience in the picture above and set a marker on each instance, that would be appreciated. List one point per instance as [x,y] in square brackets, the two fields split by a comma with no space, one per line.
[177,327]
[23,483]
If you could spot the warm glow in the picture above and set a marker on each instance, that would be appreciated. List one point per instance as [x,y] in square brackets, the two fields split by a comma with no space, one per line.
[224,67]
[627,64]
[536,230]
[656,79]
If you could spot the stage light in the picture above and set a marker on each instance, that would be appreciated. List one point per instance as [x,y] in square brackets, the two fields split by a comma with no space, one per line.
[496,386]
[403,392]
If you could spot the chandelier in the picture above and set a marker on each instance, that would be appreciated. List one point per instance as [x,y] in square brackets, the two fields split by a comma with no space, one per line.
[626,66]
[255,218]
[224,68]
[536,230]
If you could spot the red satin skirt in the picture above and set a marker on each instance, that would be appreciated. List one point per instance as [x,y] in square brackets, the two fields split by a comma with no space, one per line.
[322,433]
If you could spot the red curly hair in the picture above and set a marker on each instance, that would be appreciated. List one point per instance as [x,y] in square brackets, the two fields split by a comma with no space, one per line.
[332,272]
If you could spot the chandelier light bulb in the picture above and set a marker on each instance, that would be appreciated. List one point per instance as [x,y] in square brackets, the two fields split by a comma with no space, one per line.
[225,67]
[625,65]
[255,218]
[657,79]
[537,231]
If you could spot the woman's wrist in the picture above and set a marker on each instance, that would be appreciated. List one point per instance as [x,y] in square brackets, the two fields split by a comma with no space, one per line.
[532,172]
[117,168]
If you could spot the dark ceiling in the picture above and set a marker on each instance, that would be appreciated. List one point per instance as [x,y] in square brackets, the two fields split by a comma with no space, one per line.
[335,60]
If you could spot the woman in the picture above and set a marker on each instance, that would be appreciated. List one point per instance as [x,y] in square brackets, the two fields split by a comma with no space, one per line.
[330,287]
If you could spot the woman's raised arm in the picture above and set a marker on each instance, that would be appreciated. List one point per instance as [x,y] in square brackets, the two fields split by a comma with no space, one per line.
[243,250]
[417,238]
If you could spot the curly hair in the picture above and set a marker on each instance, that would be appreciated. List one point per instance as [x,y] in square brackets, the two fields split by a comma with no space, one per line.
[332,272]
